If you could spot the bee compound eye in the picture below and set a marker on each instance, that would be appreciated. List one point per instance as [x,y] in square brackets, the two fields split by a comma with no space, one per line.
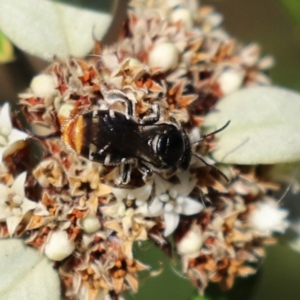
[170,147]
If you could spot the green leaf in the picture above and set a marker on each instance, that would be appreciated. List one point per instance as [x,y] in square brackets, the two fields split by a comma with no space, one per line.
[6,49]
[48,28]
[264,128]
[293,7]
[170,283]
[25,274]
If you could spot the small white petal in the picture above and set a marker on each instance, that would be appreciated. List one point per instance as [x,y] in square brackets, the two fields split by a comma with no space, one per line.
[156,207]
[59,246]
[180,200]
[171,222]
[122,210]
[127,221]
[12,223]
[3,140]
[143,209]
[191,206]
[16,211]
[3,213]
[142,193]
[18,185]
[41,210]
[164,197]
[130,196]
[17,199]
[17,135]
[8,211]
[186,184]
[139,202]
[161,185]
[2,150]
[27,205]
[173,193]
[5,119]
[5,131]
[169,207]
[120,194]
[112,210]
[3,192]
[178,209]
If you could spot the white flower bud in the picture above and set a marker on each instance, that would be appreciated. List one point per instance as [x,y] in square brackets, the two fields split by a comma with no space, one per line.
[164,55]
[230,80]
[90,223]
[184,16]
[133,62]
[65,111]
[59,246]
[43,85]
[191,242]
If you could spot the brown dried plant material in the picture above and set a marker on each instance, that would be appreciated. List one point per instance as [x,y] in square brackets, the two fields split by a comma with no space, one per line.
[181,60]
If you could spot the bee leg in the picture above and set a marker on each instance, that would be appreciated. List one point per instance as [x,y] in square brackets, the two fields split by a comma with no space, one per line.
[124,174]
[152,118]
[146,171]
[115,95]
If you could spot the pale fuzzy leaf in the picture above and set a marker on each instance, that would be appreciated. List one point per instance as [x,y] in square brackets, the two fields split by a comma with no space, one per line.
[48,28]
[264,126]
[25,274]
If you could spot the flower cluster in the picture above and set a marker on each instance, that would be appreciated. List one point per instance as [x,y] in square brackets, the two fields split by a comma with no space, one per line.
[177,58]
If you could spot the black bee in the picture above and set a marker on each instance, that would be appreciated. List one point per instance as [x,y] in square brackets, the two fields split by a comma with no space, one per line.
[113,138]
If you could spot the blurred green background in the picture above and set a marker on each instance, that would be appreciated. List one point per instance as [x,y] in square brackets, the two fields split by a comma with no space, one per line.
[275,25]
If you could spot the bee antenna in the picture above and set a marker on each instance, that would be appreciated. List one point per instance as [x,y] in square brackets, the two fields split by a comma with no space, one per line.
[212,133]
[212,166]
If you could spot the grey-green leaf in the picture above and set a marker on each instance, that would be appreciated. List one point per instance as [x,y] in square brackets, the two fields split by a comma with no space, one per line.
[48,28]
[25,274]
[264,128]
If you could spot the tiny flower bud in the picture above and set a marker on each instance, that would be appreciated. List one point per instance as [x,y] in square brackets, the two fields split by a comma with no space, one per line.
[191,242]
[59,246]
[230,80]
[43,85]
[164,55]
[90,223]
[65,112]
[184,16]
